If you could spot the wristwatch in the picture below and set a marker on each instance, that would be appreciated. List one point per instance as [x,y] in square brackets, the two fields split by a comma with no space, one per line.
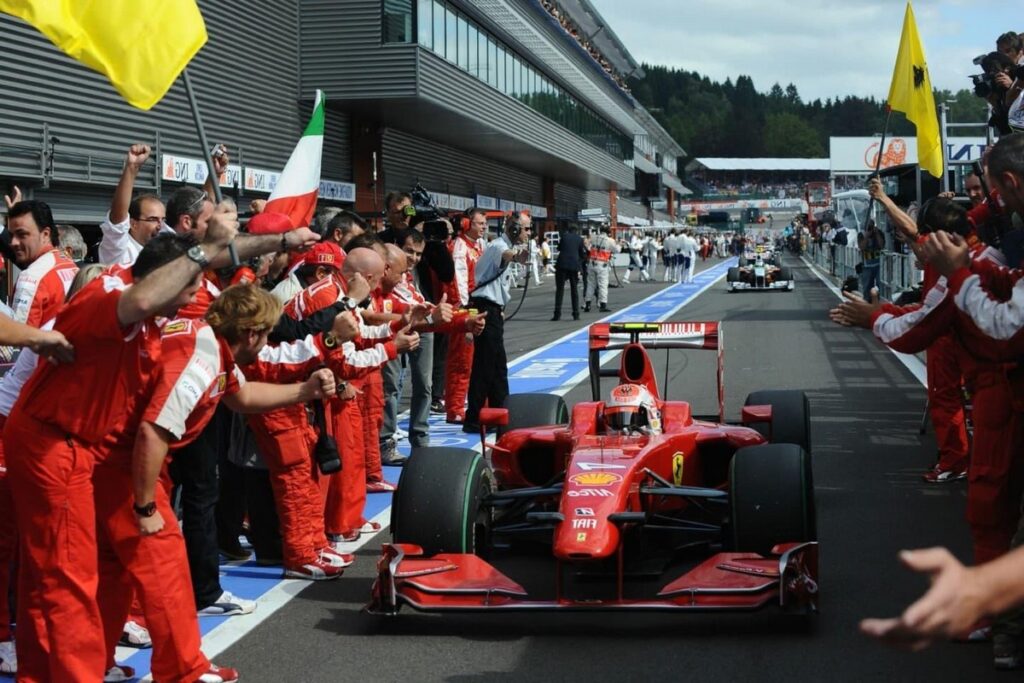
[198,256]
[147,510]
[349,303]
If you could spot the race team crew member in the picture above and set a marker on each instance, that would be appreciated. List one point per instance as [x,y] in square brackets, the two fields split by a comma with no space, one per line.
[601,249]
[130,223]
[46,272]
[140,543]
[60,415]
[466,249]
[945,376]
[346,494]
[401,296]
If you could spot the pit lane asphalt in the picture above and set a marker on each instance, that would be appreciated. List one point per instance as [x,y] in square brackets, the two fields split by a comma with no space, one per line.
[868,458]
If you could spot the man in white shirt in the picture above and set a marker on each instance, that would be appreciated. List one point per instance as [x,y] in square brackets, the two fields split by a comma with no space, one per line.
[688,248]
[131,223]
[670,246]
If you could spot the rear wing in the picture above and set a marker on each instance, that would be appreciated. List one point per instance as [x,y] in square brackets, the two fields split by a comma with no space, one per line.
[668,335]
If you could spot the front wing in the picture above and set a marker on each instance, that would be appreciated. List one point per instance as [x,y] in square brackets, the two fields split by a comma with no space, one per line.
[778,284]
[787,578]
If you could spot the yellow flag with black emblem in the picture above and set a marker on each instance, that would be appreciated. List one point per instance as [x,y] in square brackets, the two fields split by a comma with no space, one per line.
[911,93]
[141,46]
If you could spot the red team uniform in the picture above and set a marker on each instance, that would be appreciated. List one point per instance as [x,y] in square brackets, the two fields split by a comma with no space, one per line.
[465,253]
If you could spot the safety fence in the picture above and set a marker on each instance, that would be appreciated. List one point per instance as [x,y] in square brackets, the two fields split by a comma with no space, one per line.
[897,272]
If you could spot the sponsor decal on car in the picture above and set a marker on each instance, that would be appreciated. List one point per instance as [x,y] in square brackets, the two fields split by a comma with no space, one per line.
[595,478]
[588,466]
[589,493]
[580,537]
[677,468]
[584,512]
[588,523]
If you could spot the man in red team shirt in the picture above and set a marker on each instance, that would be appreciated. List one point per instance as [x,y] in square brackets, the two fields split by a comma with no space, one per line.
[46,273]
[466,250]
[62,412]
[139,544]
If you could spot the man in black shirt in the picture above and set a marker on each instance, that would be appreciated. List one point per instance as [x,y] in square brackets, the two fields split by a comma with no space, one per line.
[571,256]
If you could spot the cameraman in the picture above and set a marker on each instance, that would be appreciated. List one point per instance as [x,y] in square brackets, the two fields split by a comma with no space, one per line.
[488,380]
[998,86]
[399,211]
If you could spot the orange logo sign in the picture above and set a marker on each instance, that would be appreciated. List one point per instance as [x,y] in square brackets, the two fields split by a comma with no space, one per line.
[595,478]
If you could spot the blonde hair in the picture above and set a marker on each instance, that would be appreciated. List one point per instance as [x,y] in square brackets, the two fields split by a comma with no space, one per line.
[240,309]
[84,276]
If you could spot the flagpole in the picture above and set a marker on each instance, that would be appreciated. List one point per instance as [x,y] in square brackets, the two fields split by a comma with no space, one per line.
[878,159]
[215,180]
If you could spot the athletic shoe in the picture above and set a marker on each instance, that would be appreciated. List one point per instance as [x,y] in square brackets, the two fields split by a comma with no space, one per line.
[218,674]
[336,558]
[400,434]
[1007,651]
[228,605]
[380,487]
[317,570]
[8,658]
[135,635]
[437,407]
[455,419]
[937,475]
[389,454]
[347,537]
[235,552]
[118,673]
[370,528]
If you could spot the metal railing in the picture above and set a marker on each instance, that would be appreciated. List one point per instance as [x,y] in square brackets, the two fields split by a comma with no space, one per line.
[897,271]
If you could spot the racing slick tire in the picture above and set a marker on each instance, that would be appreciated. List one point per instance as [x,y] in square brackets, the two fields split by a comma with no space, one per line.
[743,262]
[791,416]
[771,497]
[534,410]
[733,275]
[785,275]
[439,501]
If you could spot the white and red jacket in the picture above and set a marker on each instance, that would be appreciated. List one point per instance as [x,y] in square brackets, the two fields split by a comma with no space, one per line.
[42,288]
[465,253]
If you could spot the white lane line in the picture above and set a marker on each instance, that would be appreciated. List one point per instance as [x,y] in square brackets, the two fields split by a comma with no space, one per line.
[234,629]
[910,361]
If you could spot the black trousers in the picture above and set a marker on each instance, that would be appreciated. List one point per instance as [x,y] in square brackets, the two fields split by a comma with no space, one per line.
[440,361]
[194,470]
[488,380]
[573,276]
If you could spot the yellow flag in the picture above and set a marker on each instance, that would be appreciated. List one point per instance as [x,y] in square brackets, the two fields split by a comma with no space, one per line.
[141,46]
[911,93]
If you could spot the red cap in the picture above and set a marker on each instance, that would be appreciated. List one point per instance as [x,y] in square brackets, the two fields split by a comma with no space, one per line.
[327,254]
[269,223]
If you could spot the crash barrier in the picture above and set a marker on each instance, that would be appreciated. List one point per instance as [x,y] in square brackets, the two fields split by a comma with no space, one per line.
[898,272]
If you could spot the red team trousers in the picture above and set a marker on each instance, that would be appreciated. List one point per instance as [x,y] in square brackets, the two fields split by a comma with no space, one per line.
[60,635]
[8,543]
[346,493]
[371,408]
[945,403]
[154,568]
[456,375]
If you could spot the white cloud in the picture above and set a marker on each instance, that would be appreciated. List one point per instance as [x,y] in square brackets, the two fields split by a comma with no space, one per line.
[827,48]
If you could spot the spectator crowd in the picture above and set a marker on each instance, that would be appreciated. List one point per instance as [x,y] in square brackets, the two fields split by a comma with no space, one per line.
[570,27]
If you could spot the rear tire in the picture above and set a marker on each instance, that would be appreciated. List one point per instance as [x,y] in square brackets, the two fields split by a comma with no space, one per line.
[744,262]
[438,504]
[791,416]
[785,274]
[771,497]
[534,410]
[733,275]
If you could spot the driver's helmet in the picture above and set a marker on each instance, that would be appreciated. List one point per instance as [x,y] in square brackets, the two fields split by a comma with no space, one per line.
[632,407]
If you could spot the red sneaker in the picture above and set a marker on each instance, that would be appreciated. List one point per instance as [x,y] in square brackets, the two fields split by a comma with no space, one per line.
[937,475]
[335,558]
[380,487]
[317,570]
[218,674]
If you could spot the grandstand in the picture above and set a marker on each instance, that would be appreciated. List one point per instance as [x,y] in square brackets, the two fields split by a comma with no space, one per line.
[717,178]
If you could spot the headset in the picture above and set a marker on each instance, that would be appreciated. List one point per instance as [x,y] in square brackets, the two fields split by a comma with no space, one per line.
[513,226]
[461,222]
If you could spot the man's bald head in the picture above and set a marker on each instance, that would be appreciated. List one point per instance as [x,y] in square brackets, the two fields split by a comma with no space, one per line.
[367,263]
[397,264]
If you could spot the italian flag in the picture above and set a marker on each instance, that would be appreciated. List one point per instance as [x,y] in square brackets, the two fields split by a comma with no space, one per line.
[297,188]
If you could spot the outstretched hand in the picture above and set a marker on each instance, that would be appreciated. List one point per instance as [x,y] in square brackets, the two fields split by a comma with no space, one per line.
[855,311]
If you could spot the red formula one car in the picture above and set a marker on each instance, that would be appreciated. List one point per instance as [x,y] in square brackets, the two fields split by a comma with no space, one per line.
[628,503]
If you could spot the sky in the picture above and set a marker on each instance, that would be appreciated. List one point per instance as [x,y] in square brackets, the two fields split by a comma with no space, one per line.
[827,48]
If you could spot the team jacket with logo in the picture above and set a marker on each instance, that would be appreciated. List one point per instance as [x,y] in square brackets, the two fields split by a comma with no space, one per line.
[42,288]
[465,253]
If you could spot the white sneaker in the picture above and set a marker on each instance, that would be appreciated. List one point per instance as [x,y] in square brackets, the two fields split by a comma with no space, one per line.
[318,570]
[228,605]
[336,559]
[135,635]
[8,658]
[400,434]
[118,673]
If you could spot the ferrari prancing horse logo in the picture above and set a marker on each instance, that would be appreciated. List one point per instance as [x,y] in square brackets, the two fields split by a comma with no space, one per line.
[677,469]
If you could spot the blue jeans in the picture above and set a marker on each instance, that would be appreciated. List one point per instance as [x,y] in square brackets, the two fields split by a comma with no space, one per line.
[421,362]
[869,279]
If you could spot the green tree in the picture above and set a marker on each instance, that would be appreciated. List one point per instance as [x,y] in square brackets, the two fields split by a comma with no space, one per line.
[787,135]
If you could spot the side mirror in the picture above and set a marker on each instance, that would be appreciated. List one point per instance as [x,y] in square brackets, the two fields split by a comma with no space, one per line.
[493,417]
[754,414]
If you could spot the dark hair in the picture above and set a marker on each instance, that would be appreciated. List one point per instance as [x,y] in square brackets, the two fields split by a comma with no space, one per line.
[186,201]
[1007,156]
[41,214]
[941,213]
[322,218]
[409,234]
[135,208]
[395,197]
[996,61]
[1011,39]
[345,221]
[364,241]
[474,211]
[159,251]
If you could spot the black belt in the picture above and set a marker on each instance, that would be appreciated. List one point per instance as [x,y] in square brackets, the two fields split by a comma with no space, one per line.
[484,303]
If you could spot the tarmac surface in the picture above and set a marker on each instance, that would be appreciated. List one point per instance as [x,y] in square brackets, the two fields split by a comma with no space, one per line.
[868,459]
